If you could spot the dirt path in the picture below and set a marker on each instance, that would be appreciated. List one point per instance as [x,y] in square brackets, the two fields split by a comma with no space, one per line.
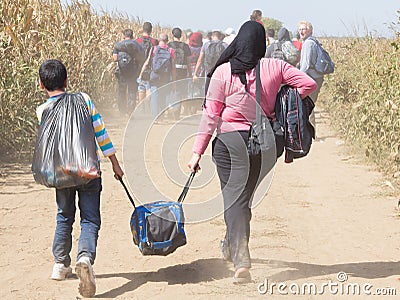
[325,214]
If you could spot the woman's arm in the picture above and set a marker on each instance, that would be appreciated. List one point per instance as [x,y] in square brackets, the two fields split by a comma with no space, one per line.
[298,79]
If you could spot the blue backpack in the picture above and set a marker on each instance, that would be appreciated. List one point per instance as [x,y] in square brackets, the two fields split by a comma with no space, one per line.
[161,67]
[324,63]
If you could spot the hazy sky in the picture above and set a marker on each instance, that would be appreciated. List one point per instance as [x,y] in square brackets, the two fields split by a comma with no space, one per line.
[335,17]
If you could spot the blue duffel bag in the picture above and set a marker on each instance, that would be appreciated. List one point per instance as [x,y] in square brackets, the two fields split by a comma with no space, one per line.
[158,227]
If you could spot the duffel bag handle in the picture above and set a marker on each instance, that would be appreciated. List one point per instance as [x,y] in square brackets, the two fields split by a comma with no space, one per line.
[127,192]
[187,185]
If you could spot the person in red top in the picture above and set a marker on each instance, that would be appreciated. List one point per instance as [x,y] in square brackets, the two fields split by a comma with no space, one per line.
[296,41]
[230,109]
[158,78]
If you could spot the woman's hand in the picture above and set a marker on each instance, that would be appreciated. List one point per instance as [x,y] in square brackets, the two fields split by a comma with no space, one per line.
[193,164]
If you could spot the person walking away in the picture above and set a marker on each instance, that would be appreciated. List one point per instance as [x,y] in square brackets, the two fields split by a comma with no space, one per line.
[53,79]
[270,36]
[284,48]
[195,45]
[210,53]
[130,57]
[161,61]
[147,43]
[256,15]
[196,87]
[308,59]
[230,109]
[182,66]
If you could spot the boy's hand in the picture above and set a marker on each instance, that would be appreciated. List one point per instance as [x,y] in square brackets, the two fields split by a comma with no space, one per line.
[116,167]
[118,173]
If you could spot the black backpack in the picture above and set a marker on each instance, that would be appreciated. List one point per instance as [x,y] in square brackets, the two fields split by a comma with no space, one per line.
[180,57]
[147,46]
[124,60]
[127,51]
[212,54]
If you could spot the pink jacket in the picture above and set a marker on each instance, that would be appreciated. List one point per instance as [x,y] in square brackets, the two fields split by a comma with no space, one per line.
[229,107]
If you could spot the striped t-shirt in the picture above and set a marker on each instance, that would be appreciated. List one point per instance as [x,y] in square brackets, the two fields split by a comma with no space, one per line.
[102,138]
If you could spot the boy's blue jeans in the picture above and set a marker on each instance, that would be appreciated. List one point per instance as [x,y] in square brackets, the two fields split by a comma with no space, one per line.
[89,206]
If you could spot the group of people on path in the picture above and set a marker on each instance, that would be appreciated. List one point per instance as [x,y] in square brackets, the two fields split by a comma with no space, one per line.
[146,64]
[164,62]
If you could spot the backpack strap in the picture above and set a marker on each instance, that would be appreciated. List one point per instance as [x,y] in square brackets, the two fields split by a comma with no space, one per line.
[258,94]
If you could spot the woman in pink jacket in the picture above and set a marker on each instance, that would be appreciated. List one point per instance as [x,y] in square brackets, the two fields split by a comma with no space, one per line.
[230,108]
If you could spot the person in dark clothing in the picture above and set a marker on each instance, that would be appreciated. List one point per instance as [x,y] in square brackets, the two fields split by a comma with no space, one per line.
[182,66]
[129,56]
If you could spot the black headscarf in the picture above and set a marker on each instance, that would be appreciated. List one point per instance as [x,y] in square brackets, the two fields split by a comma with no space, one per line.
[244,52]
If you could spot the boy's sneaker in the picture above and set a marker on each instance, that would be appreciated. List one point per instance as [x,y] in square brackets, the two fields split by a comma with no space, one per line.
[87,280]
[61,272]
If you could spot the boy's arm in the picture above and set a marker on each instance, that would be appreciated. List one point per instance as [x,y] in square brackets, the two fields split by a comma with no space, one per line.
[116,167]
[102,138]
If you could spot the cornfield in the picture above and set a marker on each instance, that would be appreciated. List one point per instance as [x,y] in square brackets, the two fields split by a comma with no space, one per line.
[32,31]
[363,97]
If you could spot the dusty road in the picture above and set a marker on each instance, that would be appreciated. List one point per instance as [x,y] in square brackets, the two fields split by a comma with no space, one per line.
[335,216]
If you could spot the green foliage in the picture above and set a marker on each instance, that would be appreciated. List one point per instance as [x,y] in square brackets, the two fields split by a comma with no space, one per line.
[272,23]
[364,96]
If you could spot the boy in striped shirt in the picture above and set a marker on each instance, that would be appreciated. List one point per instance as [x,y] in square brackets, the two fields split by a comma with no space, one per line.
[53,79]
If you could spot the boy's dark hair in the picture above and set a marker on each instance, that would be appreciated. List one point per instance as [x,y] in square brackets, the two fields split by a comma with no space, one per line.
[177,32]
[147,27]
[53,74]
[128,33]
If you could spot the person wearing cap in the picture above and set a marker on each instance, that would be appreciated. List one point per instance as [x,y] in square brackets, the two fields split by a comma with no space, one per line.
[196,87]
[230,35]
